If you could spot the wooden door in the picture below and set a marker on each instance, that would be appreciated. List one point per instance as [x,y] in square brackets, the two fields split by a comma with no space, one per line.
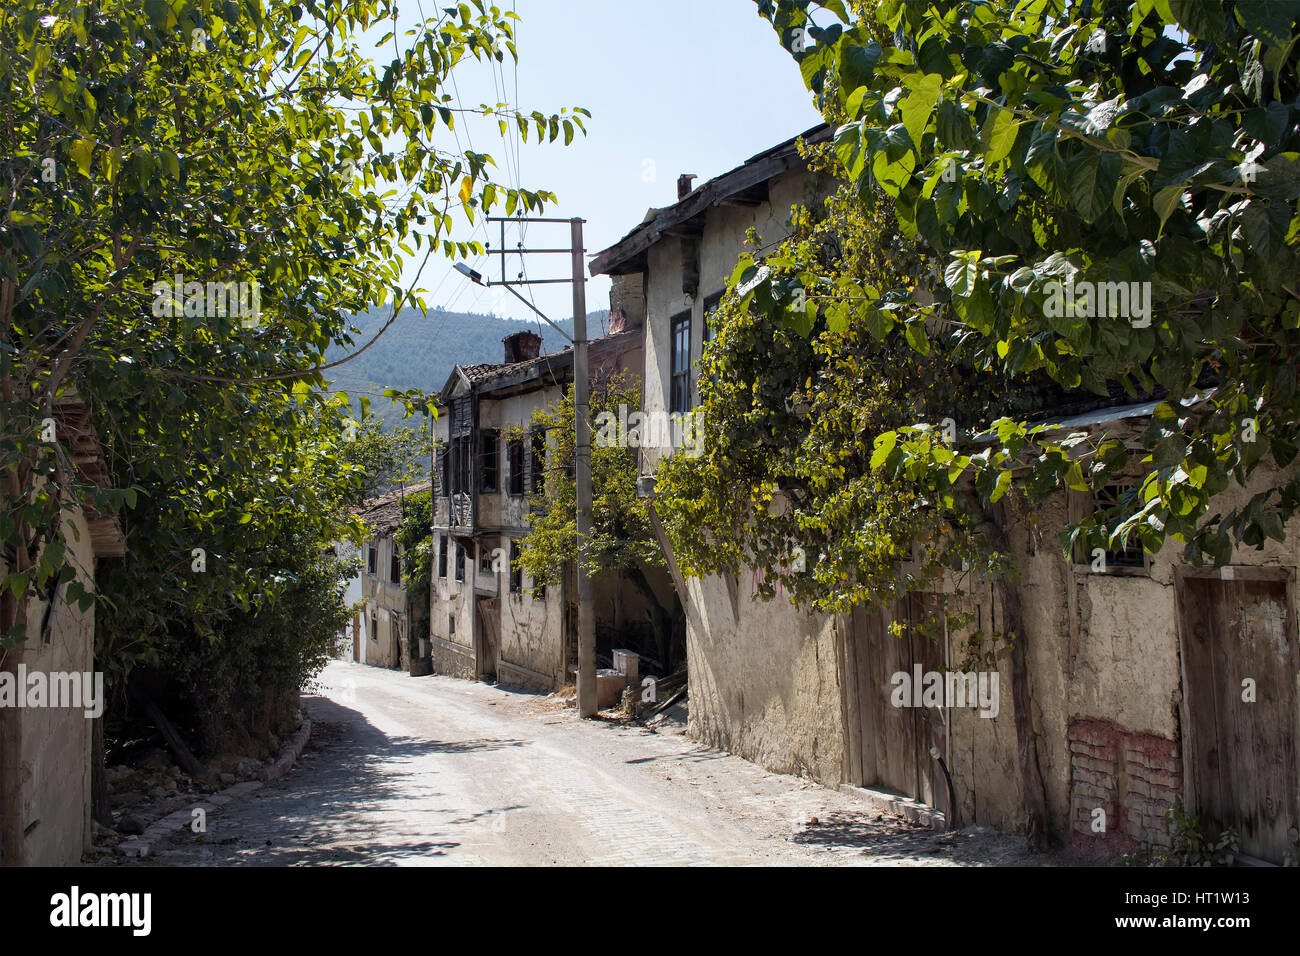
[489,637]
[888,746]
[1240,756]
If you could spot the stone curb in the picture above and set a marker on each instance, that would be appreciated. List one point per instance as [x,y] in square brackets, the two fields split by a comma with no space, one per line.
[898,805]
[178,820]
[291,752]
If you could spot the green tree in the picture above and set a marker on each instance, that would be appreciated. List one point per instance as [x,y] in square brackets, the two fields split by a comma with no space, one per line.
[221,142]
[386,458]
[622,539]
[415,539]
[1037,145]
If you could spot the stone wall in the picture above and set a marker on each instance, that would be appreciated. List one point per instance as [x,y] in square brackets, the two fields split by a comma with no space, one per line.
[453,660]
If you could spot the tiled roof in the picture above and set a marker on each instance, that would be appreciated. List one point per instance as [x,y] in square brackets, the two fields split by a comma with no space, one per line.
[383,515]
[477,373]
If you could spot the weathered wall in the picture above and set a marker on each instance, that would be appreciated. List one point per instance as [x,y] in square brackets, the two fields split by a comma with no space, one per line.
[1104,668]
[532,637]
[504,511]
[452,600]
[387,600]
[763,679]
[721,245]
[56,741]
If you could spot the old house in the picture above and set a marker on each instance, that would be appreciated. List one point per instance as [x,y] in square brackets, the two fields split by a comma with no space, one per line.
[45,818]
[1144,681]
[352,635]
[489,619]
[386,626]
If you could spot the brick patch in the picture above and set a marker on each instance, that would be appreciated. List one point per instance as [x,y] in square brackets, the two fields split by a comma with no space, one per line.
[1134,777]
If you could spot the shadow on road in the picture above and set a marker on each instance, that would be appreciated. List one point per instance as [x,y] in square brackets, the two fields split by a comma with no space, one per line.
[336,807]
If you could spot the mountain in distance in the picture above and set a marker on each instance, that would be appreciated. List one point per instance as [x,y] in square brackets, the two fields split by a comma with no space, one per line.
[420,349]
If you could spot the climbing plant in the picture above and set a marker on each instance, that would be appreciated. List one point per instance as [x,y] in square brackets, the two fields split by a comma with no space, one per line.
[414,538]
[1041,149]
[621,536]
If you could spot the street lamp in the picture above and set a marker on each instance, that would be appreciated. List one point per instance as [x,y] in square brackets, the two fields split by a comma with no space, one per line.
[468,273]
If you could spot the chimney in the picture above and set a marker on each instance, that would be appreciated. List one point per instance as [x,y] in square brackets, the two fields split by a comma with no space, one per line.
[627,300]
[684,185]
[522,346]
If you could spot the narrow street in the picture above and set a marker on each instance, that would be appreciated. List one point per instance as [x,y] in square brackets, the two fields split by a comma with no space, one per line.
[437,771]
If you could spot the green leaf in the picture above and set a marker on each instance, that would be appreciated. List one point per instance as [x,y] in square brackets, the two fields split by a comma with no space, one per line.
[857,64]
[82,151]
[917,106]
[1000,135]
[1000,486]
[916,337]
[962,272]
[1166,201]
[884,444]
[1092,182]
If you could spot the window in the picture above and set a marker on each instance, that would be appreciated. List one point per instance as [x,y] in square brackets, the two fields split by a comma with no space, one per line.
[451,625]
[710,306]
[484,558]
[488,461]
[462,466]
[680,382]
[516,570]
[516,451]
[372,559]
[395,567]
[1130,554]
[461,443]
[374,626]
[537,462]
[460,562]
[443,475]
[442,555]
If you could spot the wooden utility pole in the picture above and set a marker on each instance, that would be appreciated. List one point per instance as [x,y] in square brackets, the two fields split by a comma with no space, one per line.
[581,425]
[582,478]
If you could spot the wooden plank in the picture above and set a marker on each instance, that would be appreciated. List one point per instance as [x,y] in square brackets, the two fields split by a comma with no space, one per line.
[1263,764]
[897,769]
[872,696]
[1240,756]
[489,644]
[855,638]
[1201,702]
[928,652]
[851,761]
[1237,573]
